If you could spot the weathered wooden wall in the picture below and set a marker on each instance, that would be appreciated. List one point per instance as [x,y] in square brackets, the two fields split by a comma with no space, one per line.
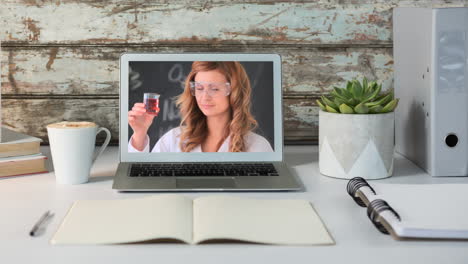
[60,57]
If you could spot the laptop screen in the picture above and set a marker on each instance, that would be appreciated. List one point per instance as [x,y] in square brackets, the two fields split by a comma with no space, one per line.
[199,108]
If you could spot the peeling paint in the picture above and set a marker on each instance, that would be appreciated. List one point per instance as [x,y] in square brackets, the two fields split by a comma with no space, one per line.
[266,34]
[118,9]
[146,22]
[52,56]
[320,70]
[312,22]
[79,71]
[95,70]
[363,37]
[32,120]
[301,29]
[300,115]
[273,16]
[11,72]
[11,38]
[33,28]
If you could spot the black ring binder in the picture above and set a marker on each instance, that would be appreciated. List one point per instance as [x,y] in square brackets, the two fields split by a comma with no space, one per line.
[353,185]
[373,211]
[375,207]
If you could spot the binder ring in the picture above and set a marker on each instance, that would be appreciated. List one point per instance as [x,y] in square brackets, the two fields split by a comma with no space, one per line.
[375,208]
[353,186]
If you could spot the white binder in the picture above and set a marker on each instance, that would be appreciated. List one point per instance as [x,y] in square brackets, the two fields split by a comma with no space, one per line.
[431,80]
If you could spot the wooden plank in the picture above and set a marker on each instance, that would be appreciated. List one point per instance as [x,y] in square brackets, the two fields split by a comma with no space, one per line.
[95,70]
[59,71]
[200,21]
[300,121]
[31,116]
[318,70]
[237,22]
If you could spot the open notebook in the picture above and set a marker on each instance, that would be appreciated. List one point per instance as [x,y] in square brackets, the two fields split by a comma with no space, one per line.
[430,211]
[205,219]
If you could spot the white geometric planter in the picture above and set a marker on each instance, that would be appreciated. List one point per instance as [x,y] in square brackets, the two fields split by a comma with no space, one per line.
[355,145]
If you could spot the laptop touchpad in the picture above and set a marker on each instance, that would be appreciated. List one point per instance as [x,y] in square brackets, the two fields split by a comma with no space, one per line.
[205,183]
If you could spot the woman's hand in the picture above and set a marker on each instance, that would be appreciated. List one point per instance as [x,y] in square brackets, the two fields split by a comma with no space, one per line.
[139,121]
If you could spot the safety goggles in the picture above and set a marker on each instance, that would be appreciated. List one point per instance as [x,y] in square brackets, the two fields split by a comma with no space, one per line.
[213,89]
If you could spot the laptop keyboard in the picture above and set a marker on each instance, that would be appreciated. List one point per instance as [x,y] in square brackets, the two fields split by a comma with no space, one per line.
[202,169]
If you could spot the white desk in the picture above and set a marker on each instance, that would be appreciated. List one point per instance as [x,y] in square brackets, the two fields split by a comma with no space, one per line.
[24,199]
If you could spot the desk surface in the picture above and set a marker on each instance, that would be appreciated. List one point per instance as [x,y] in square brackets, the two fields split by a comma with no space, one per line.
[24,199]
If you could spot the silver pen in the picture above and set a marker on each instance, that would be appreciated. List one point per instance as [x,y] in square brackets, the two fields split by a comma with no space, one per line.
[40,223]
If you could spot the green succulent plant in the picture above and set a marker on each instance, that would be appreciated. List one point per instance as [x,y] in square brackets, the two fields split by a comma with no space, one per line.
[358,98]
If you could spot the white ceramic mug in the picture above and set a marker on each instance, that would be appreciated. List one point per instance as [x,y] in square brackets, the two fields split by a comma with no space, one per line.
[72,146]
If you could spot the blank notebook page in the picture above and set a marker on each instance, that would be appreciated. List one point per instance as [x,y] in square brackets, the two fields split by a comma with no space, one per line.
[292,222]
[126,220]
[429,207]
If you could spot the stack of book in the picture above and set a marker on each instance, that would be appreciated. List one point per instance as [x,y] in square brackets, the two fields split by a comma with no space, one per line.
[20,154]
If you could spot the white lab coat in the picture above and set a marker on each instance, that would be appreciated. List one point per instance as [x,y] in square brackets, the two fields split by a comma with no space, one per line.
[169,142]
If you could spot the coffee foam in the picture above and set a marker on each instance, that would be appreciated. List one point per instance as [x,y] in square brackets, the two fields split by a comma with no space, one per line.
[69,124]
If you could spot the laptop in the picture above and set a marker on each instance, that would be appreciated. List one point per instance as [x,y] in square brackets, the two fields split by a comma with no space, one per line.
[201,122]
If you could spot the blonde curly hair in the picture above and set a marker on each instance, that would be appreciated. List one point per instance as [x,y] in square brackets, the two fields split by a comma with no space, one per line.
[193,124]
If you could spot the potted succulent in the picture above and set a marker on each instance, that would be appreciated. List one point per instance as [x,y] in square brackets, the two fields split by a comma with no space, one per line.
[356,131]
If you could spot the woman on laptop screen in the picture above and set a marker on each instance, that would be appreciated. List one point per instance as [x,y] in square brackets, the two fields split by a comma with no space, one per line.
[215,112]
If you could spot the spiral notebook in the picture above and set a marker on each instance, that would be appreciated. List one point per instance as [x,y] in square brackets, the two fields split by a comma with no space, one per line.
[410,211]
